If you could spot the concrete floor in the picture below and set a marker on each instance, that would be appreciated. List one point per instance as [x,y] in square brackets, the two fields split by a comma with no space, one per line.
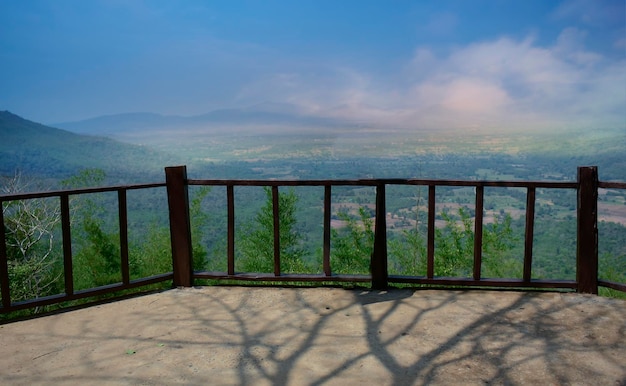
[330,336]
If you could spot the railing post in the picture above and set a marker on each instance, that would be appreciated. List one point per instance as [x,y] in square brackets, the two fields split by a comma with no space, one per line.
[378,262]
[230,251]
[529,233]
[123,221]
[276,216]
[66,231]
[587,231]
[478,232]
[430,265]
[180,226]
[326,248]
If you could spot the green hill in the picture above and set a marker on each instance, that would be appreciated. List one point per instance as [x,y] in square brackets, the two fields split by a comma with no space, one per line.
[44,151]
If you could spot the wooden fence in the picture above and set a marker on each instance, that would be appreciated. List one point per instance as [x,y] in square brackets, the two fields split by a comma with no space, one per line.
[182,273]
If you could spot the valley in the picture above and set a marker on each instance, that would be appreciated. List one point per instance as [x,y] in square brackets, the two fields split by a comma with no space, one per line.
[348,153]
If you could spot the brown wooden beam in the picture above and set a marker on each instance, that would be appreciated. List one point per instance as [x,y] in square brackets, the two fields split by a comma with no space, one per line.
[587,232]
[327,215]
[430,265]
[378,262]
[478,232]
[180,226]
[230,197]
[529,234]
[276,212]
[67,244]
[123,223]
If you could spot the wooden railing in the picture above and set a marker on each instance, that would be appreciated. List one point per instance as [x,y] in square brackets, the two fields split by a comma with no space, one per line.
[587,234]
[68,262]
[182,273]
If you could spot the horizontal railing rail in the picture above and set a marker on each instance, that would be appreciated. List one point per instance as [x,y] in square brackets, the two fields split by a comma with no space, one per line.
[182,274]
[392,181]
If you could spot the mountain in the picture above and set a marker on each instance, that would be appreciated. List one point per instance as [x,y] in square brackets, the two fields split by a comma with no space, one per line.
[270,118]
[45,151]
[110,125]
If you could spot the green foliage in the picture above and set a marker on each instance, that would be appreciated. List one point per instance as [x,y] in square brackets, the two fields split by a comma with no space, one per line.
[97,261]
[353,245]
[96,258]
[257,246]
[153,254]
[84,178]
[615,273]
[409,255]
[454,245]
[199,220]
[454,248]
[498,240]
[554,248]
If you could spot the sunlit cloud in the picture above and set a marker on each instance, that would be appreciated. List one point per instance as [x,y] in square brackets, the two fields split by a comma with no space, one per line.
[498,84]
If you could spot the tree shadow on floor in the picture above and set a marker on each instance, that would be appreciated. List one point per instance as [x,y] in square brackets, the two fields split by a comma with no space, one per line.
[315,336]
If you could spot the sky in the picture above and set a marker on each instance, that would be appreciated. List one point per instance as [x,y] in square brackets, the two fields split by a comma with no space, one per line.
[475,64]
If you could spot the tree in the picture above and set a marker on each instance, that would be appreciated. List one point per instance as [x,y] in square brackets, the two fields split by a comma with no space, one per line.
[353,245]
[454,245]
[199,219]
[257,246]
[97,256]
[154,254]
[409,254]
[498,239]
[29,227]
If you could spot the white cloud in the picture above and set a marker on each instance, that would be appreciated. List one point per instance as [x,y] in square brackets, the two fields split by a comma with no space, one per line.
[474,95]
[498,84]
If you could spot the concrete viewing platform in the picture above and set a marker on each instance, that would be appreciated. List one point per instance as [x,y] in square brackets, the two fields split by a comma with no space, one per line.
[323,336]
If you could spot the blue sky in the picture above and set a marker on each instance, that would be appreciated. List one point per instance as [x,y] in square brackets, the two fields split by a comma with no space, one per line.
[476,64]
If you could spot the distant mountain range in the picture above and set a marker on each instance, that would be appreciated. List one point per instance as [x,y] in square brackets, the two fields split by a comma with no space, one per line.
[269,118]
[112,143]
[36,149]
